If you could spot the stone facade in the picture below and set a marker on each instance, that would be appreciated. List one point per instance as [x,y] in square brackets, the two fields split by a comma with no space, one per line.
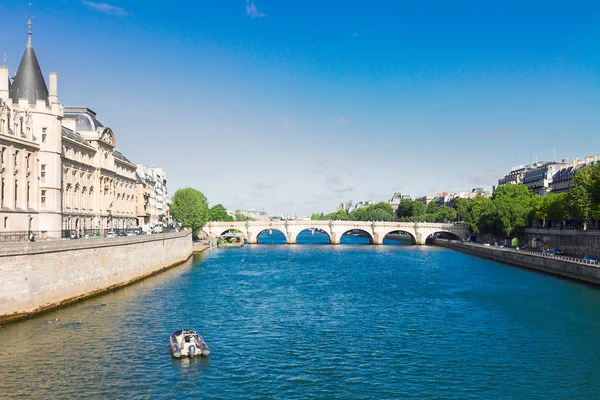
[41,275]
[152,196]
[99,183]
[59,167]
[30,149]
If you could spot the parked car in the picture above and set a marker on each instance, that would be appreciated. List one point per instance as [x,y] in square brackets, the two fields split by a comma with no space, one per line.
[590,259]
[111,234]
[130,233]
[556,251]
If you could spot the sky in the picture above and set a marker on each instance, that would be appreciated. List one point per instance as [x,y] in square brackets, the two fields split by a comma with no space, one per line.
[296,106]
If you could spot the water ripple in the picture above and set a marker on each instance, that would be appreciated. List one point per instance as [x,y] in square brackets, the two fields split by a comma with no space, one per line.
[318,322]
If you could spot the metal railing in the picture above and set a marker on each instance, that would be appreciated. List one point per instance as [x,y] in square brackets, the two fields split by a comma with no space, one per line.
[69,234]
[530,252]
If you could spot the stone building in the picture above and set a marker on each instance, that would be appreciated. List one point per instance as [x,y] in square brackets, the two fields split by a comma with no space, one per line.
[30,149]
[152,196]
[99,183]
[59,168]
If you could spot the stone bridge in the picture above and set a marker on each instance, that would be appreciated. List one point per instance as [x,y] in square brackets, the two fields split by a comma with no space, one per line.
[335,229]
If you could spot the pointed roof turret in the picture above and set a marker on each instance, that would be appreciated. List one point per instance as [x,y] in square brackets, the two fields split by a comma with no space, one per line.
[29,81]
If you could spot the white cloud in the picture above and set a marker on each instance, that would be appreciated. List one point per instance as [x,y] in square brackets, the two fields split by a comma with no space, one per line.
[252,10]
[106,8]
[344,189]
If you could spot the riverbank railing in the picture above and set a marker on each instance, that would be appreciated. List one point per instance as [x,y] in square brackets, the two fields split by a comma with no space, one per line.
[527,251]
[70,234]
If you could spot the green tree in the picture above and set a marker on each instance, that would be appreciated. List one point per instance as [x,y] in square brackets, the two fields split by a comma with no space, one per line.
[189,206]
[240,217]
[445,214]
[417,209]
[431,208]
[404,208]
[515,207]
[585,194]
[558,207]
[219,213]
[462,208]
[479,207]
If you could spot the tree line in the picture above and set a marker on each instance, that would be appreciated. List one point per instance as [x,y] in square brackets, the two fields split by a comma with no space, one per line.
[190,207]
[510,210]
[507,213]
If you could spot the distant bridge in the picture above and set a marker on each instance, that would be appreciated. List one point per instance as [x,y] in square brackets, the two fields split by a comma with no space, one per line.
[376,231]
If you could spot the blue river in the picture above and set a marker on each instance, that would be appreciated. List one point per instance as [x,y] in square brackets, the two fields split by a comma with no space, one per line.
[318,321]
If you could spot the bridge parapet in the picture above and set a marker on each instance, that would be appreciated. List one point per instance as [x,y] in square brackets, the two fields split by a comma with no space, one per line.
[335,229]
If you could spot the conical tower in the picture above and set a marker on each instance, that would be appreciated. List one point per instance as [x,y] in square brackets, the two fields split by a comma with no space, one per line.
[29,81]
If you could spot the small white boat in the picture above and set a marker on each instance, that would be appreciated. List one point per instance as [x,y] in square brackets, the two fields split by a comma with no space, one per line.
[188,343]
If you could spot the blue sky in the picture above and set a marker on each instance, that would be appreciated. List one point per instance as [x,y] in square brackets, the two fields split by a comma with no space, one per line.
[296,106]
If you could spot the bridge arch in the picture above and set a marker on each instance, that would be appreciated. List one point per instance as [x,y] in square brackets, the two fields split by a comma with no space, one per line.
[442,233]
[324,237]
[389,231]
[274,235]
[357,233]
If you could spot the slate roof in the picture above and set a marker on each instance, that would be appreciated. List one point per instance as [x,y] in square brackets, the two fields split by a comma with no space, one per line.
[66,132]
[119,156]
[29,81]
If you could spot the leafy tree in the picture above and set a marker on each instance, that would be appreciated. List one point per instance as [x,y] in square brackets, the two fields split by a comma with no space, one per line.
[431,208]
[339,215]
[189,206]
[558,207]
[404,208]
[478,207]
[417,209]
[585,193]
[445,214]
[219,213]
[514,207]
[462,208]
[241,217]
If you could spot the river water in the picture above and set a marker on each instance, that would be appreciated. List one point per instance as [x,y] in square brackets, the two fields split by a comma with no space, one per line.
[319,321]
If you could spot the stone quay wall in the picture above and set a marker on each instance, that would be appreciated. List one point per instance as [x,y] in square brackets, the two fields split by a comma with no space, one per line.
[573,242]
[556,265]
[37,276]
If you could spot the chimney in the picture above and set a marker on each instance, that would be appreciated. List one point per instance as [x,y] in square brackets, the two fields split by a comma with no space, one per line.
[53,96]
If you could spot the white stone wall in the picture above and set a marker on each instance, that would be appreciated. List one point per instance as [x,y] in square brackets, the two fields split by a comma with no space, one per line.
[41,275]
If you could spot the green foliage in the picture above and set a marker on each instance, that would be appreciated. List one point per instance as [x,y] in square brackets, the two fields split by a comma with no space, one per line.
[462,208]
[219,213]
[515,207]
[557,207]
[241,217]
[445,214]
[431,208]
[410,210]
[190,207]
[376,212]
[584,197]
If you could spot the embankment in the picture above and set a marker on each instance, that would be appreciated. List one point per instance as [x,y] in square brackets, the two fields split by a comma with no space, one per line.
[564,266]
[38,276]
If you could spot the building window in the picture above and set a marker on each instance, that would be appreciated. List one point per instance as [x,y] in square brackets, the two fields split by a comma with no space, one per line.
[16,193]
[16,157]
[5,222]
[43,197]
[44,137]
[43,174]
[44,129]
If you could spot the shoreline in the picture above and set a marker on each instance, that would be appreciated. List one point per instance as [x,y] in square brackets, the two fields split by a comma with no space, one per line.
[557,266]
[41,277]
